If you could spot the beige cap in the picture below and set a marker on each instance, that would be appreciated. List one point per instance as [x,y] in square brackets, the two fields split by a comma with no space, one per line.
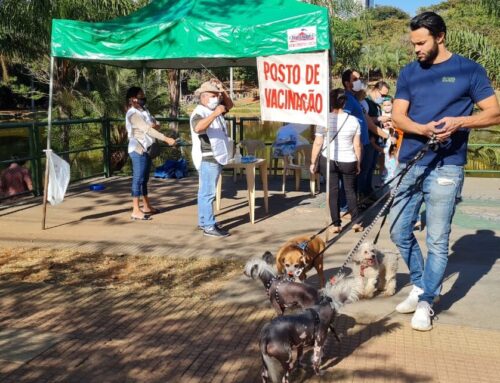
[207,86]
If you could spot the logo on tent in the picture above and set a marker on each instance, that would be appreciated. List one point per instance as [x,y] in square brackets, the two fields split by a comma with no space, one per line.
[299,38]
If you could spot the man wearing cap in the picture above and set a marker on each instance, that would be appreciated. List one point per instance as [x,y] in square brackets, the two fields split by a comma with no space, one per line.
[210,150]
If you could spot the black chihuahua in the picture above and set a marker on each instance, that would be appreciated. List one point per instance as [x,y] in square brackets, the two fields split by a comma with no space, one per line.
[300,331]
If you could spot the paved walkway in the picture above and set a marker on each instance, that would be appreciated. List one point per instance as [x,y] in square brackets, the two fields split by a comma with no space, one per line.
[54,334]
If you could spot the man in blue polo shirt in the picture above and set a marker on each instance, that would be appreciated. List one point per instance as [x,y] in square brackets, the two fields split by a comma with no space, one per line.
[435,97]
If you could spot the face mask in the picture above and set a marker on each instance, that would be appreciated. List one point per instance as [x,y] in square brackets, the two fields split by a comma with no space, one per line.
[141,102]
[379,100]
[357,86]
[213,102]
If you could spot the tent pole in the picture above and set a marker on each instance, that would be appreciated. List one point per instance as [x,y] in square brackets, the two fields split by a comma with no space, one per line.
[231,85]
[327,103]
[49,132]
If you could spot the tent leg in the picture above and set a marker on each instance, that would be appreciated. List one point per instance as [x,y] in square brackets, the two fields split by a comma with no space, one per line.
[327,103]
[49,131]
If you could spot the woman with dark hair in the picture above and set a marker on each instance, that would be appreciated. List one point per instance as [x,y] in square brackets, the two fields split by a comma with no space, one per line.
[345,157]
[141,130]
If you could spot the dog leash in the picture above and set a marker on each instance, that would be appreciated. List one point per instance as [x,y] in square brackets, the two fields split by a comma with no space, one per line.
[430,144]
[303,245]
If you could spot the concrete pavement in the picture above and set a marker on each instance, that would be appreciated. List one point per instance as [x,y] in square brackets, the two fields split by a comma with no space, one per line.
[49,333]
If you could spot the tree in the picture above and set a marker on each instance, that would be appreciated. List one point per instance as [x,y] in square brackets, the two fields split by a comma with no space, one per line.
[25,34]
[385,12]
[478,48]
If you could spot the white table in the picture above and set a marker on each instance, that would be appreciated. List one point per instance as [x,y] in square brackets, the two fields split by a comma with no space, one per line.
[261,163]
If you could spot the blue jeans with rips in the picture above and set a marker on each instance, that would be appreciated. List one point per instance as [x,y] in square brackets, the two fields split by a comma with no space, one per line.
[208,174]
[141,166]
[438,188]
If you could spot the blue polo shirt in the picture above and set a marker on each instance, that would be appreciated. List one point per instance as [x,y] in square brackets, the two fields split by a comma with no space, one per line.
[352,106]
[447,89]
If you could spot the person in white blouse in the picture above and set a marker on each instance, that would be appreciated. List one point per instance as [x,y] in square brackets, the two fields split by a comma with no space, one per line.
[141,130]
[345,157]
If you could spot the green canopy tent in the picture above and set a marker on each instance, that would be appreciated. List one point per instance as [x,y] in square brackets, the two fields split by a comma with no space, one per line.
[188,34]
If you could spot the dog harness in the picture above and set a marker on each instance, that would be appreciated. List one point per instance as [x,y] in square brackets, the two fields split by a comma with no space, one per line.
[280,281]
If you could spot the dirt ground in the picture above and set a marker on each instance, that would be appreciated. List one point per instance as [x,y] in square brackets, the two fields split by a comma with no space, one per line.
[175,277]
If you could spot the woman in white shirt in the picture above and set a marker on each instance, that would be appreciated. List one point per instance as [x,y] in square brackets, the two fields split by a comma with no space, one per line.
[345,157]
[141,130]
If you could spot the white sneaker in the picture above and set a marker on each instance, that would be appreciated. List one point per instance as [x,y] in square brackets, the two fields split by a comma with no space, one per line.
[421,320]
[409,305]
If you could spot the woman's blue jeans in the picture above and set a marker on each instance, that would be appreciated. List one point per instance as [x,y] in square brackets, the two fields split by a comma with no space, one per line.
[141,166]
[208,175]
[438,188]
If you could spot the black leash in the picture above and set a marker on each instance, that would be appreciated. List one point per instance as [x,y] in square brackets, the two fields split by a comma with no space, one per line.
[303,245]
[430,144]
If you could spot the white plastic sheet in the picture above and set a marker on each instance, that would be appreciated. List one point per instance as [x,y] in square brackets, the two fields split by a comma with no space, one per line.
[59,175]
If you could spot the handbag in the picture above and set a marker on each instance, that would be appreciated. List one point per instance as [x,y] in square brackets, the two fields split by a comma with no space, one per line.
[154,150]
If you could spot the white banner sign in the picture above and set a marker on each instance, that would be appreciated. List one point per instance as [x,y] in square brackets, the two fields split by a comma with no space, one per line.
[294,88]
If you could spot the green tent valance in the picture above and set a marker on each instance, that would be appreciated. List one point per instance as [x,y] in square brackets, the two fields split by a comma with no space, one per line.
[193,33]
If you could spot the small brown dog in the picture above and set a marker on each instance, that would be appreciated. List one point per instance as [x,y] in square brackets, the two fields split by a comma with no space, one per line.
[294,261]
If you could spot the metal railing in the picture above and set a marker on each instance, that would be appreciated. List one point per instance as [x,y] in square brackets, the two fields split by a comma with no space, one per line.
[96,135]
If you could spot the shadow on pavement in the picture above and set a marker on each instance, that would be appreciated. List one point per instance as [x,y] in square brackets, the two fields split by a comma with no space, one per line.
[472,258]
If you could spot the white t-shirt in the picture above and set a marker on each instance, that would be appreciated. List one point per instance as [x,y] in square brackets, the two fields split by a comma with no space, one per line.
[342,148]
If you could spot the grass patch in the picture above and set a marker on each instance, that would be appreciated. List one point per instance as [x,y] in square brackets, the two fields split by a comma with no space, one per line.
[176,277]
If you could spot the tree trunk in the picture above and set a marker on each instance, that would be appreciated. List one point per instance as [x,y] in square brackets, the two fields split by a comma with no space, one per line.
[173,84]
[5,70]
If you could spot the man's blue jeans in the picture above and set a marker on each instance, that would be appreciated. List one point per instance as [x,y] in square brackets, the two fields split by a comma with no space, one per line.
[141,166]
[438,188]
[208,174]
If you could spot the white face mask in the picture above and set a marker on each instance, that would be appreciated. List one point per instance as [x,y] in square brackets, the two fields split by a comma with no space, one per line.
[357,86]
[213,102]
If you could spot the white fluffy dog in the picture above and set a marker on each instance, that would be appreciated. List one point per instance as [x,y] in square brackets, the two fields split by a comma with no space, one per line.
[377,270]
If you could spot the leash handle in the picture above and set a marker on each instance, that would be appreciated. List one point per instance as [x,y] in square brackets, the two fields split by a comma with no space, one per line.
[409,165]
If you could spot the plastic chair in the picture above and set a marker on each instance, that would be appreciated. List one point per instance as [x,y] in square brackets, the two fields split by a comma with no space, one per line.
[303,159]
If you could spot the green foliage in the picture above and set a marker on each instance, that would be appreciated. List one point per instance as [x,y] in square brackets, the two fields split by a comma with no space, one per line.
[194,81]
[26,25]
[386,48]
[246,74]
[22,90]
[347,42]
[478,48]
[474,15]
[384,12]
